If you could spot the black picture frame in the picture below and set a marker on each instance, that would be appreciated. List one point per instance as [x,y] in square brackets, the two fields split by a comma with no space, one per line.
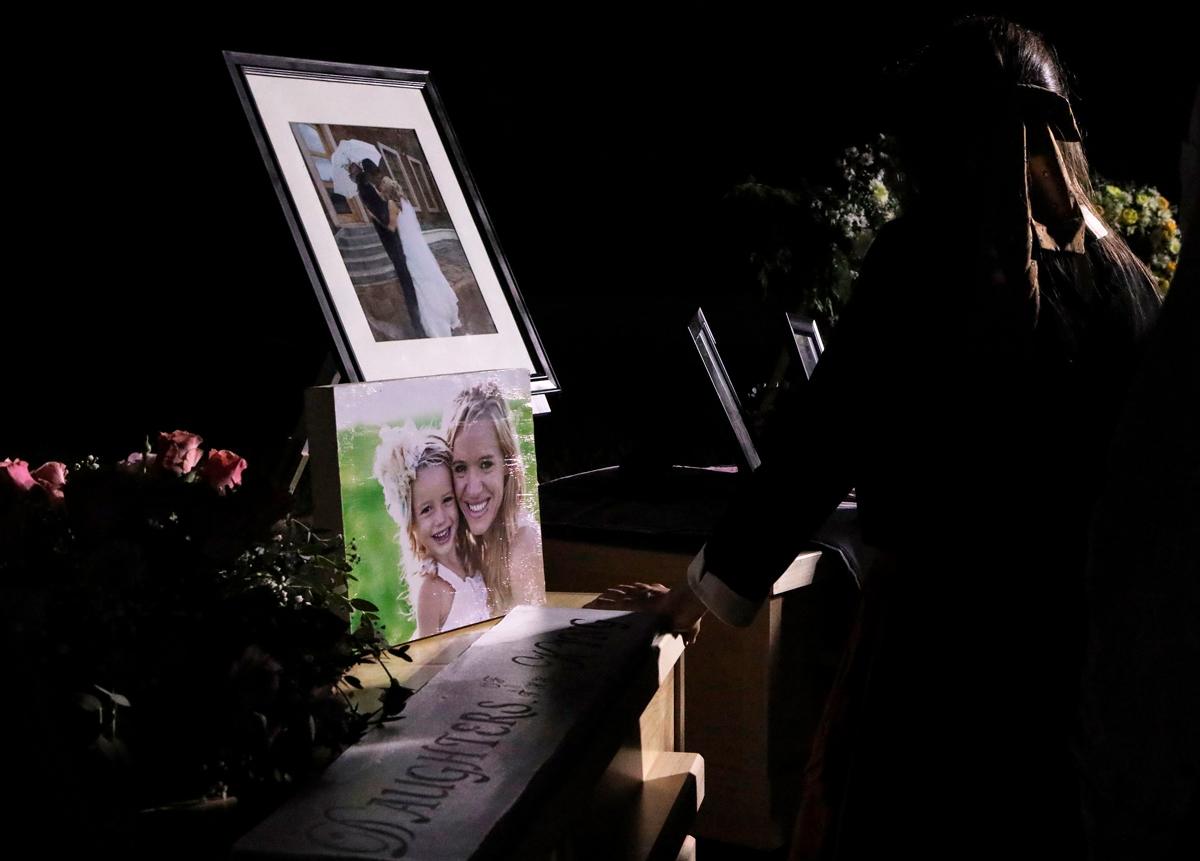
[710,357]
[806,336]
[282,94]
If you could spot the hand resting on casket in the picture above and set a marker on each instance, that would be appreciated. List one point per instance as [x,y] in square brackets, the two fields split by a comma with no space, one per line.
[678,610]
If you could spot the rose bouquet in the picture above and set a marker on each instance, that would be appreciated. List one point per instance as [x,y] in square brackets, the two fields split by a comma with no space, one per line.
[178,636]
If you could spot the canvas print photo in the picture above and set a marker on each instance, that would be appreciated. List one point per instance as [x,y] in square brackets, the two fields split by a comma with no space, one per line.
[434,480]
[393,231]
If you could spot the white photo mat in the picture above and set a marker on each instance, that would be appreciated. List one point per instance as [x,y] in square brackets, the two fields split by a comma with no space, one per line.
[283,99]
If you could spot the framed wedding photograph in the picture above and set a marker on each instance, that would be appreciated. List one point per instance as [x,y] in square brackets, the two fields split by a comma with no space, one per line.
[388,220]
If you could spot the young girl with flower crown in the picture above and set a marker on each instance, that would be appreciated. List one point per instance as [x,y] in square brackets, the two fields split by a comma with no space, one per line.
[414,470]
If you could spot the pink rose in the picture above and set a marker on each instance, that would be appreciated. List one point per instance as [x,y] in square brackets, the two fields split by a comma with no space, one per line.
[180,451]
[137,462]
[51,476]
[223,470]
[14,474]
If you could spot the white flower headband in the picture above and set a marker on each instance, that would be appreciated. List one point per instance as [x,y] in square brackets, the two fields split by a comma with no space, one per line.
[400,450]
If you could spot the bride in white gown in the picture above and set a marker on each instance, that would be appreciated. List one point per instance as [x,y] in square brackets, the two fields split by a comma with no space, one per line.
[436,299]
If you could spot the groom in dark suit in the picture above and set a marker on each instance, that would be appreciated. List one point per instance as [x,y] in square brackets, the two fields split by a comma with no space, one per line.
[377,209]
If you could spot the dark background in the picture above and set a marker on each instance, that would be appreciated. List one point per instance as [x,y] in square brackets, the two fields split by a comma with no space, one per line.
[154,284]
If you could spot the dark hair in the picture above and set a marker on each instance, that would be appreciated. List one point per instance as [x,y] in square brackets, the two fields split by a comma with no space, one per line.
[956,110]
[371,198]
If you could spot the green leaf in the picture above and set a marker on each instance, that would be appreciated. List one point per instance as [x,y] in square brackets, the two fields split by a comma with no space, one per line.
[364,605]
[304,579]
[395,698]
[89,703]
[400,652]
[115,699]
[107,748]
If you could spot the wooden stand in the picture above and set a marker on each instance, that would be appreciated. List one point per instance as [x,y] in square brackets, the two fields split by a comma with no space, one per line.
[753,696]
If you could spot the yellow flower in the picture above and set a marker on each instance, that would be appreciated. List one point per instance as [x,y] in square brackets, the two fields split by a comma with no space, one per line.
[1129,216]
[1171,266]
[879,191]
[1141,199]
[1162,203]
[1163,285]
[1171,226]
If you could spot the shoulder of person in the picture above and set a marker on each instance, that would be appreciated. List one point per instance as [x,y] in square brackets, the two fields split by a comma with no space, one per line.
[433,605]
[527,539]
[526,520]
[433,586]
